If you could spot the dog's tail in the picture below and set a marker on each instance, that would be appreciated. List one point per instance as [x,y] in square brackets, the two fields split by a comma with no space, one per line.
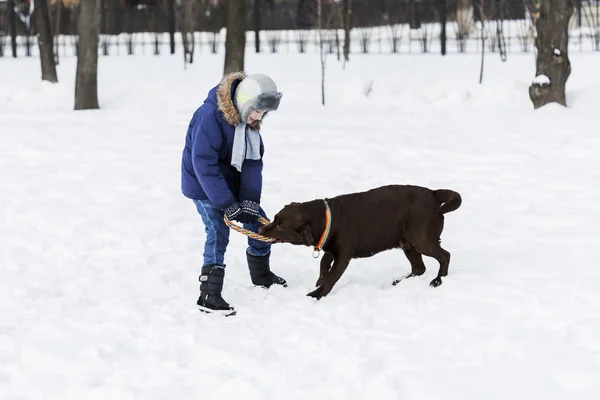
[449,200]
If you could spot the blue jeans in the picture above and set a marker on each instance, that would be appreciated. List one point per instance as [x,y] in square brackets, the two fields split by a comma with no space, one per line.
[217,234]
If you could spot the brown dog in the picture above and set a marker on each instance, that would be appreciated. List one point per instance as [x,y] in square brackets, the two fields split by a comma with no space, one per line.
[359,225]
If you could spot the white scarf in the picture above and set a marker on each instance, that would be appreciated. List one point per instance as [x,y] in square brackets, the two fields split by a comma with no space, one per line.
[246,145]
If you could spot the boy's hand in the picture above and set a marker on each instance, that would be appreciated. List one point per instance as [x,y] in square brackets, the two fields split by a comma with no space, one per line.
[251,207]
[247,213]
[233,211]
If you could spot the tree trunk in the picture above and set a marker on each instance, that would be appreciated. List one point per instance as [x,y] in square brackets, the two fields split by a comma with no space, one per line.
[552,62]
[464,18]
[86,80]
[483,19]
[59,7]
[443,19]
[187,23]
[12,22]
[415,16]
[257,25]
[235,42]
[321,51]
[171,24]
[347,27]
[103,27]
[42,22]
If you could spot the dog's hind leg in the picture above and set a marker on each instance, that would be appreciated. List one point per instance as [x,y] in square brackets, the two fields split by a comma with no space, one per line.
[442,256]
[340,263]
[425,239]
[325,267]
[416,263]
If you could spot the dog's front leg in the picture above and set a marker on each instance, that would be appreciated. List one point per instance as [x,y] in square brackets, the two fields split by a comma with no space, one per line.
[340,264]
[325,267]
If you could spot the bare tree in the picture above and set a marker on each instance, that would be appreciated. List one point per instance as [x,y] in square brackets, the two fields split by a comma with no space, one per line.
[42,21]
[464,18]
[235,41]
[59,7]
[154,12]
[482,20]
[323,25]
[366,34]
[426,31]
[274,40]
[86,80]
[347,27]
[12,22]
[187,27]
[257,25]
[443,19]
[339,13]
[171,23]
[487,13]
[551,20]
[25,10]
[321,50]
[273,35]
[592,19]
[303,37]
[394,17]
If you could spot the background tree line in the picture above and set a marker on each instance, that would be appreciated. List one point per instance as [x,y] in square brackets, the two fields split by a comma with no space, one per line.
[94,17]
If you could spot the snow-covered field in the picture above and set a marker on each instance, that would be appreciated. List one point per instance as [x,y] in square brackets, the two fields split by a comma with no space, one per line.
[100,252]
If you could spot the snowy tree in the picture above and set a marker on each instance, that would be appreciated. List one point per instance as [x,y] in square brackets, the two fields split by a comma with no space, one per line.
[551,21]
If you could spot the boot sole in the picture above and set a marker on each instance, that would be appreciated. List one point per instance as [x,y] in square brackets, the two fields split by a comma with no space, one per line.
[268,287]
[226,313]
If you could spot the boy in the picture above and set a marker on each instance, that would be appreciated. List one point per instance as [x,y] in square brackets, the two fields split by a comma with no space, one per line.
[222,173]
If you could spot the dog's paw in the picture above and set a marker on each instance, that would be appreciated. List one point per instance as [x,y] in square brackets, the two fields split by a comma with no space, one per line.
[319,282]
[436,282]
[410,275]
[316,294]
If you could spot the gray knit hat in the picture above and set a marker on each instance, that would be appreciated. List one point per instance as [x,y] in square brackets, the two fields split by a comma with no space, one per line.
[256,92]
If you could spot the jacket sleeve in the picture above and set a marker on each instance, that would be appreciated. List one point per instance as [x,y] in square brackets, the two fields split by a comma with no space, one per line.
[251,178]
[205,159]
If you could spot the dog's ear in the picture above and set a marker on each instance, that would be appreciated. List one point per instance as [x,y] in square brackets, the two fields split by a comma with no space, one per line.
[307,238]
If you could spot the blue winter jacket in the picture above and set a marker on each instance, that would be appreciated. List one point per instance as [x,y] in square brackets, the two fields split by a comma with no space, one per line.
[206,171]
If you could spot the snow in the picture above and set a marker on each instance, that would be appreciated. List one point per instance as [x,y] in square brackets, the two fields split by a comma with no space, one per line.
[557,52]
[541,80]
[100,252]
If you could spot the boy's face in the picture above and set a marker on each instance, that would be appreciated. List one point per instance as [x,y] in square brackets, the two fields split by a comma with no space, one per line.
[255,115]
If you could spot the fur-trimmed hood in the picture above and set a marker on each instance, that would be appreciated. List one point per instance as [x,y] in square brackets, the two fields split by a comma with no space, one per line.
[225,99]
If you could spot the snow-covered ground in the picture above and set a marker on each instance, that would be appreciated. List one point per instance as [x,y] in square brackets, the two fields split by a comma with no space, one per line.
[100,252]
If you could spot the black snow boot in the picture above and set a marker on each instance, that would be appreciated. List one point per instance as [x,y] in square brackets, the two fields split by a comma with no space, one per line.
[260,272]
[211,285]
